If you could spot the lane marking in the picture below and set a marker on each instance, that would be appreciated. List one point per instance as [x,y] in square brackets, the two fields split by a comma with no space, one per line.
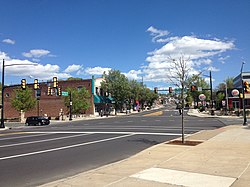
[19,137]
[114,132]
[40,141]
[183,178]
[12,133]
[154,114]
[63,148]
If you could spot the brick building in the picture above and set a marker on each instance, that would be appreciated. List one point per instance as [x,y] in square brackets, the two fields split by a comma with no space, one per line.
[49,105]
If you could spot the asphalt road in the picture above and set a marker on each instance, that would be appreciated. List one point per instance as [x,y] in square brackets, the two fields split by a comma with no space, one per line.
[30,156]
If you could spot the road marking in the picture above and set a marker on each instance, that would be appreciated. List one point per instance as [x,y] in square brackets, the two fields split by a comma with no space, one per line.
[63,148]
[154,114]
[47,140]
[113,132]
[13,133]
[19,137]
[183,178]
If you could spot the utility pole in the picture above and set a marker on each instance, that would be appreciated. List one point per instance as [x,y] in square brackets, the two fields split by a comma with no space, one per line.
[211,90]
[2,111]
[70,106]
[243,93]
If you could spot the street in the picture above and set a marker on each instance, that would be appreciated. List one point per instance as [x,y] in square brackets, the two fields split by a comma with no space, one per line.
[30,156]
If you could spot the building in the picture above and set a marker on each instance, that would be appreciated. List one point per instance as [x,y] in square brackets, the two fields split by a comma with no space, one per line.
[236,101]
[49,105]
[102,100]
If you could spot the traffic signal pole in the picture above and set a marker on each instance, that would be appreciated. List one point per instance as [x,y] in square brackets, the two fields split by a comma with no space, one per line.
[2,110]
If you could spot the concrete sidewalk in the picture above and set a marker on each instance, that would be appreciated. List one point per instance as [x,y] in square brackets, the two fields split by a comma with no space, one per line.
[222,159]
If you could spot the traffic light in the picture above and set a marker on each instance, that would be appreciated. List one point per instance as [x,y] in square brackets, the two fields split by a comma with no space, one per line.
[55,83]
[170,89]
[193,88]
[59,91]
[23,84]
[246,87]
[36,84]
[156,90]
[49,90]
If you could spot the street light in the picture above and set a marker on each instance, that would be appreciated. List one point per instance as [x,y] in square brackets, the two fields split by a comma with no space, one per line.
[243,99]
[3,66]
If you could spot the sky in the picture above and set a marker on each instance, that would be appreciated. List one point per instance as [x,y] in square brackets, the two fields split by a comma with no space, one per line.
[81,38]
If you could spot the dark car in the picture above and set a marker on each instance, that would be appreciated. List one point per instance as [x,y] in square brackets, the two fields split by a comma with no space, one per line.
[37,120]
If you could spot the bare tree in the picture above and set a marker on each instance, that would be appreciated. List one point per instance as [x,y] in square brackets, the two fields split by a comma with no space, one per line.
[179,71]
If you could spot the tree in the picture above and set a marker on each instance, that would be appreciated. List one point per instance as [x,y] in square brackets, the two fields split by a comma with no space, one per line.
[23,100]
[80,100]
[178,74]
[197,81]
[74,78]
[118,85]
[229,82]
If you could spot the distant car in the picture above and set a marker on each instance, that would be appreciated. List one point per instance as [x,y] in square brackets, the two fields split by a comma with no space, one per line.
[37,120]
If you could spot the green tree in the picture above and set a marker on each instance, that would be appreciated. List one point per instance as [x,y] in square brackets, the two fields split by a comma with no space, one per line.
[23,100]
[229,82]
[73,78]
[197,81]
[80,100]
[118,85]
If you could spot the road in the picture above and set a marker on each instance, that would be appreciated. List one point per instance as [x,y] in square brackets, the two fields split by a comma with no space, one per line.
[30,156]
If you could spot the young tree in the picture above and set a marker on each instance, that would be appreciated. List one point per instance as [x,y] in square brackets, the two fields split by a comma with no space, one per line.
[80,100]
[178,74]
[23,100]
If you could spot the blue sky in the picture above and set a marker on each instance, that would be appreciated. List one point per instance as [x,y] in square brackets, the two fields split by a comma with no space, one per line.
[82,38]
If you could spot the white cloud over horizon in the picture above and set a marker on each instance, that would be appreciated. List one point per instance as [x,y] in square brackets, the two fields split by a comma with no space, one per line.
[198,52]
[9,41]
[73,68]
[36,53]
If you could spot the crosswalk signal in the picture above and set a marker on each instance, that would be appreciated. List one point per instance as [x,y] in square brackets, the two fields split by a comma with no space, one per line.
[49,90]
[23,84]
[55,83]
[36,84]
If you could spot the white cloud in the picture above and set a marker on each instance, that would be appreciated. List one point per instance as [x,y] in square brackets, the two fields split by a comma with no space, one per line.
[157,34]
[72,68]
[31,69]
[96,70]
[9,41]
[36,53]
[133,75]
[198,53]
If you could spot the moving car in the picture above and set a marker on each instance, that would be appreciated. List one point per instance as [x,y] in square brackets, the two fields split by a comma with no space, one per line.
[37,120]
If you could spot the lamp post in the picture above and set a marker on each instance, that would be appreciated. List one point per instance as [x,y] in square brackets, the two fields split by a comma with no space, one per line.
[3,66]
[243,99]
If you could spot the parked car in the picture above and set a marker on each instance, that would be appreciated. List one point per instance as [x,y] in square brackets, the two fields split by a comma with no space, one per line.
[37,120]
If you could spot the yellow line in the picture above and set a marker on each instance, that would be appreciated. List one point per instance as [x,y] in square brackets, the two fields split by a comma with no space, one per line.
[154,114]
[13,133]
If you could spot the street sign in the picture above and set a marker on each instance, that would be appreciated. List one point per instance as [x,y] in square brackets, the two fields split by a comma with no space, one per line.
[65,93]
[202,97]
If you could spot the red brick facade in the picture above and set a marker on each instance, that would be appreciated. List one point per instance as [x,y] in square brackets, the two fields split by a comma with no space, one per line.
[50,105]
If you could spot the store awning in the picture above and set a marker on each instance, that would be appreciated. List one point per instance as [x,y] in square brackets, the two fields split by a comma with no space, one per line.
[102,99]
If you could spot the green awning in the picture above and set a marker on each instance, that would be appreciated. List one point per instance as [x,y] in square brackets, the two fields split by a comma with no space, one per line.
[102,99]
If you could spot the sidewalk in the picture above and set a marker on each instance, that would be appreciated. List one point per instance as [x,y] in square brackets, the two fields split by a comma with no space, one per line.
[221,159]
